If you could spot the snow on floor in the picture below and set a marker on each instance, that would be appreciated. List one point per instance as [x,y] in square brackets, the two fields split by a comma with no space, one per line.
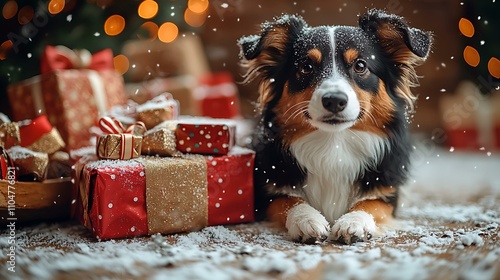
[448,229]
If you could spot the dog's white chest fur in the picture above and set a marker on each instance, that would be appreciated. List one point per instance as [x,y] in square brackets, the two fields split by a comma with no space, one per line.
[334,161]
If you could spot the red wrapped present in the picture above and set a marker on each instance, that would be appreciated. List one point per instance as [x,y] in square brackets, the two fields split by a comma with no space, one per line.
[217,96]
[468,118]
[72,98]
[205,136]
[149,195]
[39,135]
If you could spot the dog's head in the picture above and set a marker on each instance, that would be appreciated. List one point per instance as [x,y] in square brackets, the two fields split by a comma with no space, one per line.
[334,78]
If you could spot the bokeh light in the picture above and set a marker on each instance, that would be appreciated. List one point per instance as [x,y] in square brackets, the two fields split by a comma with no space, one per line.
[56,6]
[151,28]
[148,9]
[194,19]
[114,25]
[466,27]
[121,63]
[198,6]
[494,67]
[4,48]
[471,56]
[168,32]
[9,9]
[25,15]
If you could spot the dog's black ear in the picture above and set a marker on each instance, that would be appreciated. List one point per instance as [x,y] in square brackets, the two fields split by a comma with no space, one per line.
[265,55]
[273,38]
[396,37]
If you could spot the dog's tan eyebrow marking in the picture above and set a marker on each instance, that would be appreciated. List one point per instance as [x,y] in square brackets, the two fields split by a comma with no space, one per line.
[315,55]
[350,55]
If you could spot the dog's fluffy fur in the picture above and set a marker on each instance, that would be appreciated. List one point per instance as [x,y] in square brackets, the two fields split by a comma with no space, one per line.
[333,145]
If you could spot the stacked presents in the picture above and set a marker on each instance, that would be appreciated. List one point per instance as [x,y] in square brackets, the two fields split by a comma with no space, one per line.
[142,169]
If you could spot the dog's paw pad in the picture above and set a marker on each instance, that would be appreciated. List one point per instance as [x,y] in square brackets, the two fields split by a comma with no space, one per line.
[305,224]
[353,227]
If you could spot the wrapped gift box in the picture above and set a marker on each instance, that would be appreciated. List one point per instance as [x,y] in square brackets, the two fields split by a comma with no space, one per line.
[157,110]
[470,119]
[69,92]
[124,198]
[180,87]
[205,136]
[217,96]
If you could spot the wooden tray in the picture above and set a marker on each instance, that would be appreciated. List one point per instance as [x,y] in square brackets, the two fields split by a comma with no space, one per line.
[35,201]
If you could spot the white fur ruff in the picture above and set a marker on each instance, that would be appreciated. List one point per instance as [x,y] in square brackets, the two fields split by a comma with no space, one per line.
[334,161]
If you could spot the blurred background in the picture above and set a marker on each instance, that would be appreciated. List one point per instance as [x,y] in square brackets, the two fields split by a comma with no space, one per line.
[178,46]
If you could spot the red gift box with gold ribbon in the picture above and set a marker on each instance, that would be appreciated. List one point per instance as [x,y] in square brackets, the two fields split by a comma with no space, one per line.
[74,88]
[148,195]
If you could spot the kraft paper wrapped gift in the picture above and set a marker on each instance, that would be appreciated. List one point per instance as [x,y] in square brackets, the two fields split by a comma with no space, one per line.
[73,90]
[149,195]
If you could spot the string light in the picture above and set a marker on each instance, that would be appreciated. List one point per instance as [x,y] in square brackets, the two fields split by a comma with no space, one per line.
[494,67]
[471,56]
[25,15]
[9,9]
[198,6]
[168,32]
[466,27]
[56,6]
[147,9]
[152,29]
[121,63]
[4,48]
[114,25]
[194,19]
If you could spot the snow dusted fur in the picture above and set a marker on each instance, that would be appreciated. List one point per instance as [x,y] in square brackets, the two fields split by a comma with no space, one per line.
[333,146]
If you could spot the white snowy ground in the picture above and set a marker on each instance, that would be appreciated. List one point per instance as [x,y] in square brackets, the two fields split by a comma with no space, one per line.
[450,220]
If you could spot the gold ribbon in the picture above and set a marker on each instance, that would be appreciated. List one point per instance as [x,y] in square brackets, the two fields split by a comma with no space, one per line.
[176,194]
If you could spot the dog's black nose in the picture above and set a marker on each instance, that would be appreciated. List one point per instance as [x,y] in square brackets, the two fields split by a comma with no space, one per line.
[334,101]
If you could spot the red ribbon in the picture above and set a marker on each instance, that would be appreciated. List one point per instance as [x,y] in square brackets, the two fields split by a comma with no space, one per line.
[60,58]
[111,125]
[31,130]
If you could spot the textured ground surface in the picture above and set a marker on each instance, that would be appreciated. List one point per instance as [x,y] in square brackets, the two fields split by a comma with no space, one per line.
[449,230]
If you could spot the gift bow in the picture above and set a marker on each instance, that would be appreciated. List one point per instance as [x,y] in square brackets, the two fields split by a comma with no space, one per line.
[61,57]
[111,125]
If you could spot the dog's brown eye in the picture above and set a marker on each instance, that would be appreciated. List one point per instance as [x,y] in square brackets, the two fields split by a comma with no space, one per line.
[360,66]
[306,69]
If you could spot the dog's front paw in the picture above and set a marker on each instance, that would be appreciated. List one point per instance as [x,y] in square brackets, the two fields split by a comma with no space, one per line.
[306,224]
[353,227]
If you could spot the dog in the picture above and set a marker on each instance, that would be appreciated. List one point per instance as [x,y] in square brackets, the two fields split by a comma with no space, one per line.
[332,145]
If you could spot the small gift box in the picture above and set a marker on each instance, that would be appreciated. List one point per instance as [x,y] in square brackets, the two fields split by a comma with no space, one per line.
[39,135]
[9,132]
[181,87]
[30,165]
[217,96]
[157,110]
[205,136]
[160,140]
[74,88]
[119,143]
[469,118]
[149,195]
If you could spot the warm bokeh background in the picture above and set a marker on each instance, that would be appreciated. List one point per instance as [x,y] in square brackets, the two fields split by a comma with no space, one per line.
[170,38]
